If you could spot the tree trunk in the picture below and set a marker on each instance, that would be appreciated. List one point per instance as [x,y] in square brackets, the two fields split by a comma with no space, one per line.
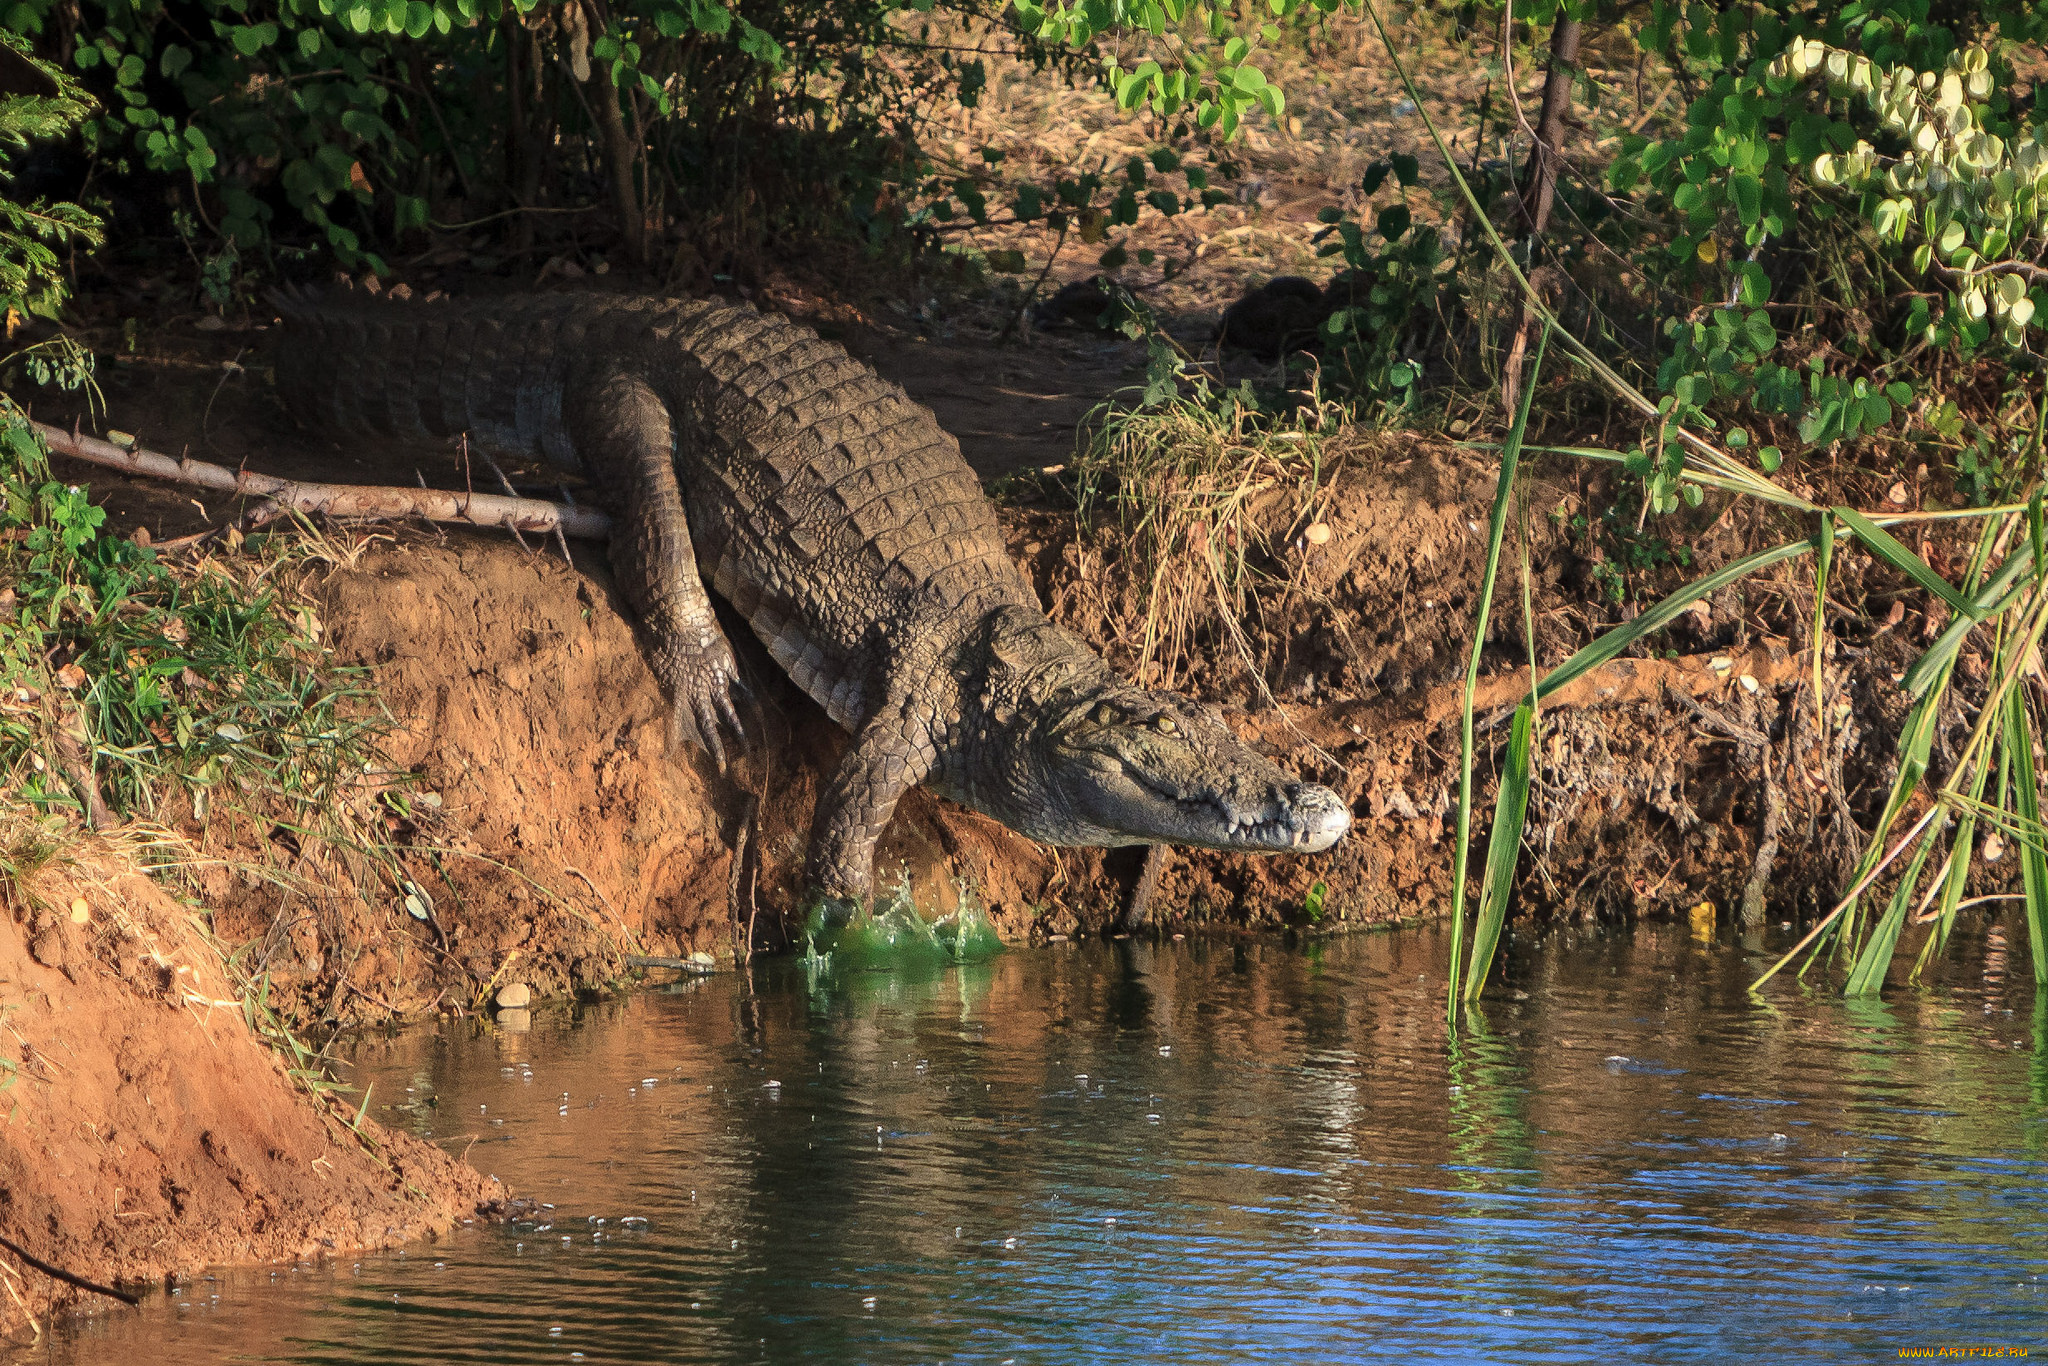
[620,158]
[1539,185]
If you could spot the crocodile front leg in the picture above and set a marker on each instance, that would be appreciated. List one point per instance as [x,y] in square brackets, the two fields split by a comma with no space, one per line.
[892,754]
[624,436]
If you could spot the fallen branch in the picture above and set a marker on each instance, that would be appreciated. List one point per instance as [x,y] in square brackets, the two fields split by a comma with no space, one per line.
[58,1273]
[336,500]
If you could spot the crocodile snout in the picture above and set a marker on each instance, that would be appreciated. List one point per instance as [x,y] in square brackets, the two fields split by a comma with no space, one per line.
[1319,817]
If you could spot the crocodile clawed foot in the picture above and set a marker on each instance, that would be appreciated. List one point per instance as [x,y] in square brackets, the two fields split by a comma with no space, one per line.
[706,694]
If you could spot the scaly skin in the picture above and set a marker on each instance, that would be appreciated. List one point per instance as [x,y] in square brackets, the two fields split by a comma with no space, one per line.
[834,515]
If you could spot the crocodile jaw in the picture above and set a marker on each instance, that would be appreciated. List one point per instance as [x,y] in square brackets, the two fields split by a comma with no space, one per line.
[1150,768]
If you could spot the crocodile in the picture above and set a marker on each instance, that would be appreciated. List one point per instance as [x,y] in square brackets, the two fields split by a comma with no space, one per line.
[835,516]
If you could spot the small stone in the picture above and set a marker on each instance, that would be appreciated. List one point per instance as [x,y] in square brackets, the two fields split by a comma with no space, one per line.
[515,1021]
[211,323]
[80,911]
[514,996]
[1318,533]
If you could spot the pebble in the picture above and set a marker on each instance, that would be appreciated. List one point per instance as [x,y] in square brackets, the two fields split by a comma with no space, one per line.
[514,996]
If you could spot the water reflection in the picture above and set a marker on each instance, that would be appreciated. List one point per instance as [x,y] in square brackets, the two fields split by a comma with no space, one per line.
[1204,1152]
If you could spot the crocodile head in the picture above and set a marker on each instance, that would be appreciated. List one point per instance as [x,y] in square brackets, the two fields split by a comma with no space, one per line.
[1128,766]
[1068,753]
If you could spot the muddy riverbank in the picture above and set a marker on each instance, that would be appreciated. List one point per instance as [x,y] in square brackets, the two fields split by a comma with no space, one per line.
[534,829]
[149,1131]
[559,837]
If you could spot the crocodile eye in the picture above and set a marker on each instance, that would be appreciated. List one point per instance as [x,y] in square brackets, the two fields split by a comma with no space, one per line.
[1103,714]
[1164,724]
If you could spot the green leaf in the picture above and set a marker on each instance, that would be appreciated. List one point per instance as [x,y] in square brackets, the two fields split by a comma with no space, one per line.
[1748,193]
[1866,978]
[1758,332]
[1406,169]
[2019,748]
[2035,530]
[1503,490]
[1611,644]
[1893,552]
[1753,286]
[1393,221]
[1503,849]
[1988,599]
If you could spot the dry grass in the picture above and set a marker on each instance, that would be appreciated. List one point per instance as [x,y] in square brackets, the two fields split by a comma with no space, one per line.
[1195,497]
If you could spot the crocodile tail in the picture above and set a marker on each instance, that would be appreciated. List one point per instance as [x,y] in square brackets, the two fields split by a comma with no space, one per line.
[494,371]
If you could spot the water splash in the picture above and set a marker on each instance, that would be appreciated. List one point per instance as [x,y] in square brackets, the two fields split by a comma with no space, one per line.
[895,936]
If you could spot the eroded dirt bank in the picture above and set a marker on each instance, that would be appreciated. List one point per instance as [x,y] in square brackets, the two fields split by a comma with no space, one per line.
[148,1133]
[559,836]
[528,790]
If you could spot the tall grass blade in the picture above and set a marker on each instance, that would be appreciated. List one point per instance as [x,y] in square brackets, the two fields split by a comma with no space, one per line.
[2019,743]
[1510,461]
[1667,611]
[1866,977]
[1503,848]
[1823,562]
[1961,853]
[2034,530]
[1989,601]
[1894,552]
[1916,745]
[1856,890]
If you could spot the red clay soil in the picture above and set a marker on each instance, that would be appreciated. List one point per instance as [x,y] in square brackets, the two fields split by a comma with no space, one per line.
[559,834]
[145,1131]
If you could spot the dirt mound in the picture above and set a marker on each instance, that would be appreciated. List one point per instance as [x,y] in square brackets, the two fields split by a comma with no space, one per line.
[147,1132]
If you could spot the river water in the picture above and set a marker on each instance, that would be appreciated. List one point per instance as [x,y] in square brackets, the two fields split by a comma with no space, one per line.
[1205,1151]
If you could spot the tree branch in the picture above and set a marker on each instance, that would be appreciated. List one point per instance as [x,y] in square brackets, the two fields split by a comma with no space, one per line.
[336,500]
[58,1273]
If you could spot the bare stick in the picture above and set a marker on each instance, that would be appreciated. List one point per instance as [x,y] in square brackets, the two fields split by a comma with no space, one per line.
[58,1273]
[336,500]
